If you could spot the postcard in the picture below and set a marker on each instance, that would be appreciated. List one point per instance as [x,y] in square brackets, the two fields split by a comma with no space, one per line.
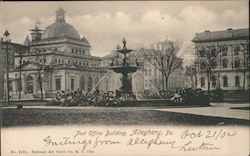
[124,78]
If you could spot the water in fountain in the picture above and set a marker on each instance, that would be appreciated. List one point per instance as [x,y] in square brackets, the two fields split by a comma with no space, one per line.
[152,86]
[116,83]
[101,79]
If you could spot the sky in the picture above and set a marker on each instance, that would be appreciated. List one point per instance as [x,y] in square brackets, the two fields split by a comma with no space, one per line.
[142,23]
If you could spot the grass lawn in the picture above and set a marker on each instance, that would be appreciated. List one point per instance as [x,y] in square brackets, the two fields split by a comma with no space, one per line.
[107,116]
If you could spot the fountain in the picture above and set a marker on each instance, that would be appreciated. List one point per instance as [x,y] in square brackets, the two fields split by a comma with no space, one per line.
[126,69]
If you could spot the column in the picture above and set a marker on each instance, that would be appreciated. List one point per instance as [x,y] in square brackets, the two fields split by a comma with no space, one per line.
[35,84]
[23,84]
[77,81]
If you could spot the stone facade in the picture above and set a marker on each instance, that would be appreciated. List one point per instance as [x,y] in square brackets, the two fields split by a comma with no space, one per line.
[58,59]
[231,67]
[13,48]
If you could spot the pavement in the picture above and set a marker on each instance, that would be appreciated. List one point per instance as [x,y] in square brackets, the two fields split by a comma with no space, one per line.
[215,110]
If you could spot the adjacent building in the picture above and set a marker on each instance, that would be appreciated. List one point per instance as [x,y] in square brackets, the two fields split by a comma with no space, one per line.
[224,56]
[12,49]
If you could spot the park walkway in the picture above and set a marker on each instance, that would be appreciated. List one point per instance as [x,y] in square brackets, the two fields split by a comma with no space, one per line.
[216,110]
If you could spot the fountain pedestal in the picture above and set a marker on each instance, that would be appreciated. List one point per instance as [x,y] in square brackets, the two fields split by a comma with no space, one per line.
[126,70]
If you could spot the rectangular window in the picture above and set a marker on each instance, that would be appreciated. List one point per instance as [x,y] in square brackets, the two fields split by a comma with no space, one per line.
[248,81]
[225,82]
[237,81]
[72,82]
[214,83]
[58,83]
[202,82]
[20,84]
[10,85]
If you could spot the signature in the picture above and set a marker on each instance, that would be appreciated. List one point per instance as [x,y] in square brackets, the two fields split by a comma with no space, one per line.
[200,147]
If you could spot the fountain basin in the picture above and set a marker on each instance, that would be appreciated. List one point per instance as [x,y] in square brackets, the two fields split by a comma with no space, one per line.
[124,51]
[126,69]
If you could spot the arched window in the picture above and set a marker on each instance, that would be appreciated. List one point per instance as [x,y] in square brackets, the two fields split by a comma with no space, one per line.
[82,83]
[213,52]
[236,50]
[224,50]
[237,81]
[225,81]
[224,63]
[90,83]
[107,85]
[30,84]
[96,81]
[237,63]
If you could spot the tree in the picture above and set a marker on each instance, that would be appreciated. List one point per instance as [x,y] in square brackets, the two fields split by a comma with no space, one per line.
[40,61]
[208,61]
[191,72]
[164,58]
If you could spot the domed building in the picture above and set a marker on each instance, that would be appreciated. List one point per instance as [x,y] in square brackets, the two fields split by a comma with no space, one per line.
[58,59]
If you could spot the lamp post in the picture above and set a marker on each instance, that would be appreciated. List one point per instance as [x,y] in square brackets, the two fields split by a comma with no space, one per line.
[6,34]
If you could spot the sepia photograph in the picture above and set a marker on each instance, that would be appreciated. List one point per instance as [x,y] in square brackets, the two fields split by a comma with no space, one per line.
[124,78]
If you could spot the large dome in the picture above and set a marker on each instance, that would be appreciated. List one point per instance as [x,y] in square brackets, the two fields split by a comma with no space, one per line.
[60,28]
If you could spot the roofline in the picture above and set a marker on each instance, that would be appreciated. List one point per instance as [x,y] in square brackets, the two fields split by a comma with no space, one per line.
[89,57]
[17,44]
[232,37]
[221,39]
[59,40]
